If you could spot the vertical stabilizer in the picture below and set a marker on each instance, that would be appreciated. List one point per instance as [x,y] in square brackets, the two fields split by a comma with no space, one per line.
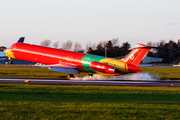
[137,54]
[21,40]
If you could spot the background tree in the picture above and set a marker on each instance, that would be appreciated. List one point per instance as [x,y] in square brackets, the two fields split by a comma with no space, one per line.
[152,52]
[109,45]
[77,47]
[112,47]
[149,44]
[100,46]
[125,48]
[100,49]
[90,46]
[56,44]
[168,51]
[115,41]
[67,45]
[46,43]
[2,48]
[91,51]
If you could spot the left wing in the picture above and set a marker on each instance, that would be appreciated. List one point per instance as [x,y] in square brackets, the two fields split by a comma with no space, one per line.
[60,68]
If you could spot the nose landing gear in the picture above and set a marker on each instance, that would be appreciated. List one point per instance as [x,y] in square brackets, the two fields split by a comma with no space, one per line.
[10,61]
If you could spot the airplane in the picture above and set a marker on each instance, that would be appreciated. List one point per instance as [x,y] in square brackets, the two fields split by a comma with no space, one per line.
[73,62]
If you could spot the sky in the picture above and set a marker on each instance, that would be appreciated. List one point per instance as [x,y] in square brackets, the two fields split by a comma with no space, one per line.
[84,21]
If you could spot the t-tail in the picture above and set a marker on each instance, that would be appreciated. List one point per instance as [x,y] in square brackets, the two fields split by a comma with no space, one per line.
[137,54]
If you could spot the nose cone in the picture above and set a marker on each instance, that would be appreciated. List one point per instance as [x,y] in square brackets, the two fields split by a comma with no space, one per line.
[9,53]
[5,51]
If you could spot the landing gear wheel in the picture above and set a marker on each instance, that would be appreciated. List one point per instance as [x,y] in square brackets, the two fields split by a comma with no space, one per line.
[70,76]
[11,62]
[90,75]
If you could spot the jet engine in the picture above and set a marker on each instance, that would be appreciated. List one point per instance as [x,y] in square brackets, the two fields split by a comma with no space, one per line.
[102,68]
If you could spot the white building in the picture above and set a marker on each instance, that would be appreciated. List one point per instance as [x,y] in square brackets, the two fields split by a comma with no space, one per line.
[151,59]
[2,56]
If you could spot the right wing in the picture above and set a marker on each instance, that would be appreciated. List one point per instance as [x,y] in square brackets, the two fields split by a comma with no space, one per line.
[60,68]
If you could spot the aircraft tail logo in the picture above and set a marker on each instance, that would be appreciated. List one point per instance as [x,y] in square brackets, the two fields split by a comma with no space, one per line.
[137,54]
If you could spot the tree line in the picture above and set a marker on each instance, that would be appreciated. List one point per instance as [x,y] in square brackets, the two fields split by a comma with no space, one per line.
[169,51]
[111,47]
[66,46]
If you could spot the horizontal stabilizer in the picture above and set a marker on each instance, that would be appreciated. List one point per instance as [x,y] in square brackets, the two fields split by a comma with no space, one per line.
[21,40]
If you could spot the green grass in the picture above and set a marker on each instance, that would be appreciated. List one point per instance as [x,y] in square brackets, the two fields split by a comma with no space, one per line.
[33,72]
[88,102]
[164,73]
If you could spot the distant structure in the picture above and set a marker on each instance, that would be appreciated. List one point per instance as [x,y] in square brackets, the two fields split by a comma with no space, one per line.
[3,56]
[2,48]
[16,62]
[151,59]
[146,59]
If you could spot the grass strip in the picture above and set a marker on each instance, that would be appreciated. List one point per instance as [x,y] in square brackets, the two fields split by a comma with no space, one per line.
[33,72]
[164,73]
[88,102]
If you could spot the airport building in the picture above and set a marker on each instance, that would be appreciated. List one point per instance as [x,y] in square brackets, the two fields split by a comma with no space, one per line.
[151,60]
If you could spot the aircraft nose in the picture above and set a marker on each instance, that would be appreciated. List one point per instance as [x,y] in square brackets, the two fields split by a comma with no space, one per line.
[5,51]
[8,53]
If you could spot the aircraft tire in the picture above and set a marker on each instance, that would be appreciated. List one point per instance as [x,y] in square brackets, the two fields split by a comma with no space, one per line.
[10,62]
[90,74]
[69,76]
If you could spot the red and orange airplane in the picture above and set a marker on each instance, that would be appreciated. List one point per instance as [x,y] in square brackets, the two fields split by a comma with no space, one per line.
[74,62]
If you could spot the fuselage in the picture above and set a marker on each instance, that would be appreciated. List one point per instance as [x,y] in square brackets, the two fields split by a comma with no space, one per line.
[83,62]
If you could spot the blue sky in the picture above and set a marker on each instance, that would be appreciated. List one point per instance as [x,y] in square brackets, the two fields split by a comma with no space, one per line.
[133,21]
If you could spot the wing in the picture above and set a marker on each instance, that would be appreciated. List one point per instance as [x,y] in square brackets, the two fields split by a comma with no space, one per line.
[60,68]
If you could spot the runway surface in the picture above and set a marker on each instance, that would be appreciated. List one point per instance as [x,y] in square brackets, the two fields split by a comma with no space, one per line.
[171,83]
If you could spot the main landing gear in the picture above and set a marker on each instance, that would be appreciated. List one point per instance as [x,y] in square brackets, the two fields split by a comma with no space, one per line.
[70,76]
[10,61]
[89,74]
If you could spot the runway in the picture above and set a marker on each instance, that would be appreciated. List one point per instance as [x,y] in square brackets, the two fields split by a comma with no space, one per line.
[171,83]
